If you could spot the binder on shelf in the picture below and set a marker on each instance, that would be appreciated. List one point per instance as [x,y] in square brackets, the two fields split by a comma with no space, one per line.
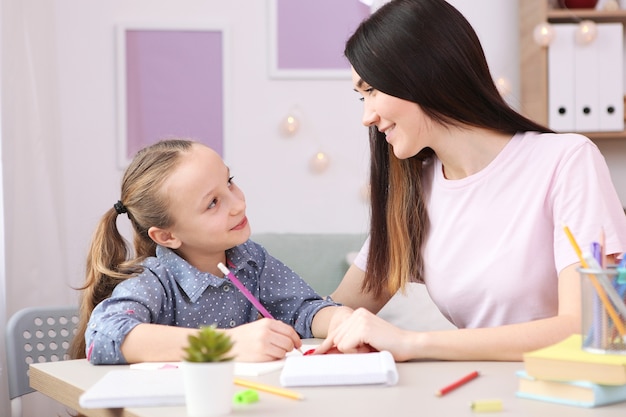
[586,86]
[561,78]
[585,81]
[610,44]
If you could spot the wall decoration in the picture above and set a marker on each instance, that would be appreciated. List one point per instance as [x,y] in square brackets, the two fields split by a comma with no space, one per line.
[171,83]
[307,38]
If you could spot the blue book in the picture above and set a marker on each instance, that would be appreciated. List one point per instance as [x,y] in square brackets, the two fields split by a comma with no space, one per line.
[577,393]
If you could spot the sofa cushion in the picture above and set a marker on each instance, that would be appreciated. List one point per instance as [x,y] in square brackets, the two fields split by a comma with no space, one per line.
[319,258]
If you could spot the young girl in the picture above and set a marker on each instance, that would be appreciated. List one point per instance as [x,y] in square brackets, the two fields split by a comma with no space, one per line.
[188,216]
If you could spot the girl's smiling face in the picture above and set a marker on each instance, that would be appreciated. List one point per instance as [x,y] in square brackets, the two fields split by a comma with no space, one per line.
[406,127]
[208,209]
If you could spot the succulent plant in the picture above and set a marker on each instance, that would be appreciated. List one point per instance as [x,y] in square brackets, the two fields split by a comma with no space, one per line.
[208,345]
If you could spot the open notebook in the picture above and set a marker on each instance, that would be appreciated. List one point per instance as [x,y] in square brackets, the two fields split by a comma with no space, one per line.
[148,384]
[241,368]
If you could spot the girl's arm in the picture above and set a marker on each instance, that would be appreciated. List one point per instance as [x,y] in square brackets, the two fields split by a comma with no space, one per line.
[506,343]
[259,341]
[155,343]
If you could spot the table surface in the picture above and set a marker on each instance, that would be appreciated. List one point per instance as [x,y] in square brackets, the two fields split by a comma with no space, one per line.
[414,394]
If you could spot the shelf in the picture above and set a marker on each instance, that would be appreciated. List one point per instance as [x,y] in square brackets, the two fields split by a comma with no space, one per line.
[604,135]
[534,62]
[600,16]
[576,15]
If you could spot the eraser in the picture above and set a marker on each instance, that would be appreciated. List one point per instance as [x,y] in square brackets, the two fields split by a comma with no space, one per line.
[248,396]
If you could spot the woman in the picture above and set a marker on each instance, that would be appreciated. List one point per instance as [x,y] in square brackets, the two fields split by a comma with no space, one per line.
[468,197]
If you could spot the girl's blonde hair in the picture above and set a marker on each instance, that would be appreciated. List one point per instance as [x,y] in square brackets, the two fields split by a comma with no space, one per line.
[110,260]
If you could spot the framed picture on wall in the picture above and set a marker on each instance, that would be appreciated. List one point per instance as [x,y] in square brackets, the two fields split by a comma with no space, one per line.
[307,38]
[171,83]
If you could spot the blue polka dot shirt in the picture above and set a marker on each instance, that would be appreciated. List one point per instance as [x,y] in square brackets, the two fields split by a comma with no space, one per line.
[172,292]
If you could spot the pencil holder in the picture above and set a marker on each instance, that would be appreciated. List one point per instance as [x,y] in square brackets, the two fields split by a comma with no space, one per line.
[603,311]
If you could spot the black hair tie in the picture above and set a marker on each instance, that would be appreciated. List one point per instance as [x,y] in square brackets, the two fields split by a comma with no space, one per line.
[120,208]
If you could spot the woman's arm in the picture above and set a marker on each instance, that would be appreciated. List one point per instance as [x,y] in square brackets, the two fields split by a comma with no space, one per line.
[329,318]
[349,292]
[506,343]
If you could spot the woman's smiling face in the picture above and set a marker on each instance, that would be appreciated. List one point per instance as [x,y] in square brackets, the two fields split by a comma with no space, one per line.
[406,127]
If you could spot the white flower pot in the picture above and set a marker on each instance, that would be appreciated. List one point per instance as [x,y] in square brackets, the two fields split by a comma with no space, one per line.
[208,388]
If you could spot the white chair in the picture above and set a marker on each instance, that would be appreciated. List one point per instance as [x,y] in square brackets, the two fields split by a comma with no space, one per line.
[33,335]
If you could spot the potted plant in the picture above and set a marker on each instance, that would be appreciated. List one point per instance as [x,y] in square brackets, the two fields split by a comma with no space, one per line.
[208,373]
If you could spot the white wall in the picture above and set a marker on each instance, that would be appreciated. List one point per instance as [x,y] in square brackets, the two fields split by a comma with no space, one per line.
[59,144]
[3,311]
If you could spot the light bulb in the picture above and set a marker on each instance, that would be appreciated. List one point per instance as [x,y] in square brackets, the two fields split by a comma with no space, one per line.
[319,162]
[366,192]
[586,32]
[543,34]
[290,125]
[611,5]
[504,86]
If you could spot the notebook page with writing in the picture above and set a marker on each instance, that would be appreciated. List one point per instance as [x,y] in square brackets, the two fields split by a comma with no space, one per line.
[340,369]
[241,368]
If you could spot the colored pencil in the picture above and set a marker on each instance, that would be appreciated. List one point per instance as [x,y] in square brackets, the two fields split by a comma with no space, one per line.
[256,303]
[456,384]
[269,388]
[594,281]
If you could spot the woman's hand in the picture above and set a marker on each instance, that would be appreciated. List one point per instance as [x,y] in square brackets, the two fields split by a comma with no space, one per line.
[363,332]
[263,340]
[340,315]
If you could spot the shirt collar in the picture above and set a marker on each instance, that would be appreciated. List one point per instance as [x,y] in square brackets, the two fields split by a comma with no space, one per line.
[240,257]
[192,281]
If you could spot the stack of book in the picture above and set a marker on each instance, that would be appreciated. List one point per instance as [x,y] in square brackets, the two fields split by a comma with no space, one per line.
[565,373]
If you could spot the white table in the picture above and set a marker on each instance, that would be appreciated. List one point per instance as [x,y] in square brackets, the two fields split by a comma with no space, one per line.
[413,396]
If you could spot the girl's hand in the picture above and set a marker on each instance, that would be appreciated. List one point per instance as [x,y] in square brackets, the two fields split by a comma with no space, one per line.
[263,340]
[365,332]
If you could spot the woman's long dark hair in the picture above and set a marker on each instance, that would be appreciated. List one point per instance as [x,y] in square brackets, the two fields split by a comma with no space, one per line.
[426,52]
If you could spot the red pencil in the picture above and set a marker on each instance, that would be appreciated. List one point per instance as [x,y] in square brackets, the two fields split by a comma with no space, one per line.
[456,384]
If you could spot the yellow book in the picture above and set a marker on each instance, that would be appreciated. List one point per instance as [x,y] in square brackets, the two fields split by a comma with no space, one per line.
[567,361]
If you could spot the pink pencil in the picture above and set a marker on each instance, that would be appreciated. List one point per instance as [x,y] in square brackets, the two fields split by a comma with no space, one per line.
[256,303]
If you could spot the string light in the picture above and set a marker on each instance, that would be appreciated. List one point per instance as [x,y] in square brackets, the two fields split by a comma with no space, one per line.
[586,32]
[290,124]
[319,162]
[611,5]
[504,86]
[365,192]
[543,34]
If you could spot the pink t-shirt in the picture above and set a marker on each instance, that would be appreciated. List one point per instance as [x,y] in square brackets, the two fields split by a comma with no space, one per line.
[496,241]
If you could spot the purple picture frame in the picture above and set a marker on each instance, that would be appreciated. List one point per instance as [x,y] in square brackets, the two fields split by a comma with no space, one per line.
[171,83]
[307,38]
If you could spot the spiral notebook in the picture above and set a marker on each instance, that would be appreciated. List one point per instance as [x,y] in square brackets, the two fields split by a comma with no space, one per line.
[340,369]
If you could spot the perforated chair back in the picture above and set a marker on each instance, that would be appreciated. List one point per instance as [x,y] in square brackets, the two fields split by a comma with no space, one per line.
[34,335]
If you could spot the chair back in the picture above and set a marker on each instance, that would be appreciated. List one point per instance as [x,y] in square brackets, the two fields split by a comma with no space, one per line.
[34,335]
